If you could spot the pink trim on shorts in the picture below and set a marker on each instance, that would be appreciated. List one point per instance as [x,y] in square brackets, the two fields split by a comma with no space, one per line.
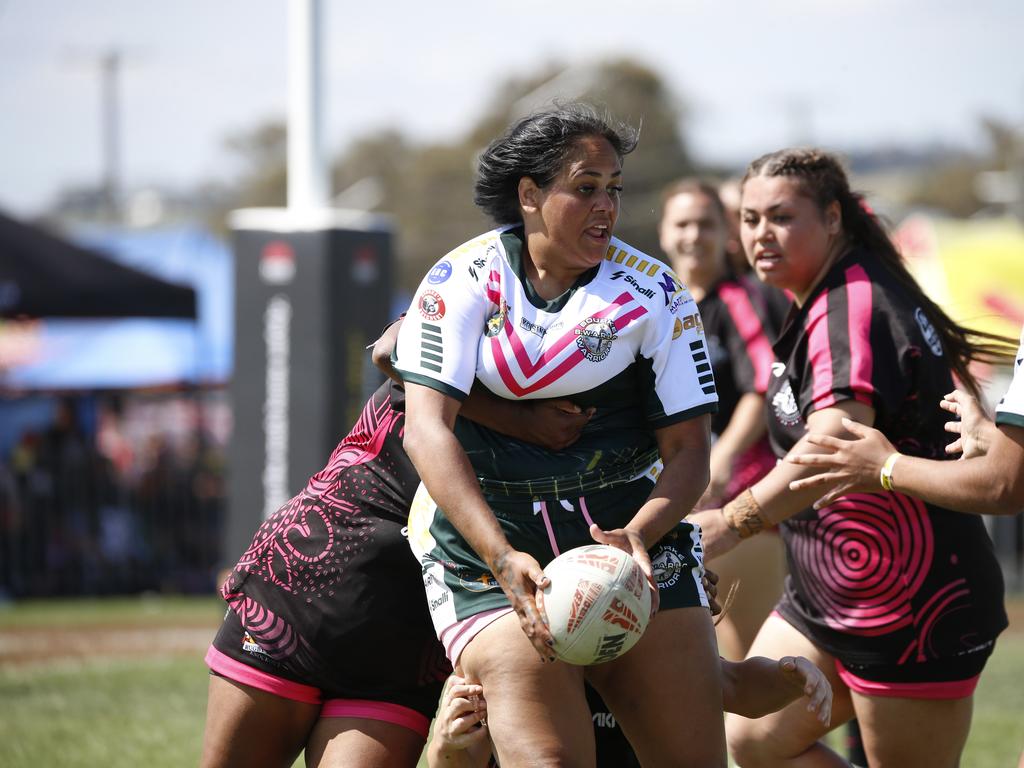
[235,670]
[383,711]
[948,689]
[456,637]
[586,512]
[547,525]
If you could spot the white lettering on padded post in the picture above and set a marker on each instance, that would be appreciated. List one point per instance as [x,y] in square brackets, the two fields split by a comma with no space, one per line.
[277,321]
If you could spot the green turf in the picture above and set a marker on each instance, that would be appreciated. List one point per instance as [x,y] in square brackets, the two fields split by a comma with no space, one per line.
[149,711]
[144,611]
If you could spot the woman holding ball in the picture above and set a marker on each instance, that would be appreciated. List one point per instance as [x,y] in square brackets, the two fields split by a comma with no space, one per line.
[549,304]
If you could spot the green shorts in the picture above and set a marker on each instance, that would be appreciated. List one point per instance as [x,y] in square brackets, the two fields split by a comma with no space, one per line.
[459,585]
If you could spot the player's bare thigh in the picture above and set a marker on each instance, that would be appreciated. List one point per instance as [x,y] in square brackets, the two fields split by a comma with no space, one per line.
[349,742]
[793,733]
[913,733]
[666,693]
[250,727]
[524,695]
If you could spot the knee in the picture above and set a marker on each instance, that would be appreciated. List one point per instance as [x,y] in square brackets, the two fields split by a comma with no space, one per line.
[747,747]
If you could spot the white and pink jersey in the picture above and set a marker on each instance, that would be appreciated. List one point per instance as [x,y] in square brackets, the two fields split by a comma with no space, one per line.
[475,316]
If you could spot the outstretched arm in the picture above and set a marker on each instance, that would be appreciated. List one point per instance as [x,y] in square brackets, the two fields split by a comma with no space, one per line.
[759,686]
[989,478]
[770,500]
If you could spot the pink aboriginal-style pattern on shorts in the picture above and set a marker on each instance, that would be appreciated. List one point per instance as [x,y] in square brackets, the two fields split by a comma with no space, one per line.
[303,548]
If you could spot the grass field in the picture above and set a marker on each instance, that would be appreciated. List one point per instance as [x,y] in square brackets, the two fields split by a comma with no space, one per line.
[110,683]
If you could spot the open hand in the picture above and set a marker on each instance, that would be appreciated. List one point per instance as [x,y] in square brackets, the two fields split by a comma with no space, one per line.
[553,424]
[972,426]
[812,682]
[848,466]
[630,542]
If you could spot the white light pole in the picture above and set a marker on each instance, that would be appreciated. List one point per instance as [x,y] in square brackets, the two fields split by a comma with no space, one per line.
[307,172]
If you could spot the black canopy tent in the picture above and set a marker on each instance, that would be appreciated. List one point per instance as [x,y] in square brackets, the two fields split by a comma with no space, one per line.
[42,275]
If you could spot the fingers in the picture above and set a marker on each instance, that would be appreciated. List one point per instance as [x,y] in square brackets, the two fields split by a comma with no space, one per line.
[824,478]
[957,446]
[826,441]
[855,427]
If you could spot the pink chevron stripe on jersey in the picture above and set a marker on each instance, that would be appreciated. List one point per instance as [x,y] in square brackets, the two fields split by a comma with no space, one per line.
[529,367]
[819,350]
[570,362]
[744,317]
[858,307]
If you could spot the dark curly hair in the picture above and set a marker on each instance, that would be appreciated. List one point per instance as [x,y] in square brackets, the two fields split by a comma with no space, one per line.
[821,178]
[536,147]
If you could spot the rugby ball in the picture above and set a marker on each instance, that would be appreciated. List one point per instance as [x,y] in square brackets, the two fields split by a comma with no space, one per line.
[598,603]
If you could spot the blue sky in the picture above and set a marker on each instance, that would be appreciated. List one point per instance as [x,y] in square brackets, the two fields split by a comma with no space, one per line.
[863,72]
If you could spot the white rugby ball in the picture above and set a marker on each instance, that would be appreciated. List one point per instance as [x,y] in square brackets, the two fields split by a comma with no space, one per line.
[598,603]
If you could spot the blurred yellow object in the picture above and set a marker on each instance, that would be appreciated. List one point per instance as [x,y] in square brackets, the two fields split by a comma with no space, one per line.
[974,269]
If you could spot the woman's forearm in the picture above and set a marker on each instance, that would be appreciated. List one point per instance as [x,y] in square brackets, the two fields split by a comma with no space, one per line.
[992,484]
[448,476]
[772,493]
[685,450]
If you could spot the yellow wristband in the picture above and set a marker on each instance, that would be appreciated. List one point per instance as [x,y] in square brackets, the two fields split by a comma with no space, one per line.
[885,476]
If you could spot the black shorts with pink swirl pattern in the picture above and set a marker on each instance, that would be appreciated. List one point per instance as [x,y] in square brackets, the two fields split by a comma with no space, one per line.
[328,595]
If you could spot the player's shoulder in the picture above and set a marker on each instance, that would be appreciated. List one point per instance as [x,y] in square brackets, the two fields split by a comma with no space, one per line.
[648,278]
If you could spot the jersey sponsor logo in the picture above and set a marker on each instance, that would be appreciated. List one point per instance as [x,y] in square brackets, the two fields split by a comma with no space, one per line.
[441,272]
[785,407]
[677,329]
[482,583]
[931,336]
[497,321]
[620,273]
[478,263]
[431,305]
[251,646]
[669,286]
[526,325]
[668,567]
[693,321]
[594,338]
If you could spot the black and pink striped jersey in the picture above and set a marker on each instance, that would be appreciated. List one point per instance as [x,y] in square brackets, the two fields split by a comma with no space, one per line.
[878,578]
[742,317]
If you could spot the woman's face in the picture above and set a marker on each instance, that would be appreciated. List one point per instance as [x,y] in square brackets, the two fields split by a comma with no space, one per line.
[576,213]
[787,239]
[693,234]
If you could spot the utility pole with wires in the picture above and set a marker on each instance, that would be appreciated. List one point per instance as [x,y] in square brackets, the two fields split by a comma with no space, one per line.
[110,64]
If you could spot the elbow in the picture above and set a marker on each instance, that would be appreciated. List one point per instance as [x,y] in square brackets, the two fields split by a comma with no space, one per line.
[1008,495]
[381,355]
